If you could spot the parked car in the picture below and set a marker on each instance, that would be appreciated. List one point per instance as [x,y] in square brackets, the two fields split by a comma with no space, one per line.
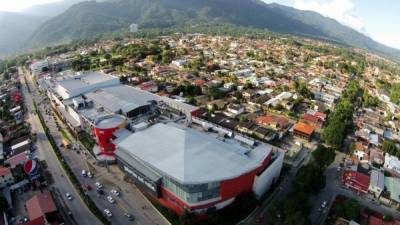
[108,212]
[87,187]
[89,174]
[110,199]
[99,185]
[69,196]
[84,173]
[129,216]
[115,192]
[100,191]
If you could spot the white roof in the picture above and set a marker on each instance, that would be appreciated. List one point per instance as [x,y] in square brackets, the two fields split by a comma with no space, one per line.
[190,156]
[121,97]
[20,144]
[87,81]
[377,179]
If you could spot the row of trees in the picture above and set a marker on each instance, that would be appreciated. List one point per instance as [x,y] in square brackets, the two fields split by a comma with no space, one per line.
[74,180]
[340,122]
[310,180]
[391,148]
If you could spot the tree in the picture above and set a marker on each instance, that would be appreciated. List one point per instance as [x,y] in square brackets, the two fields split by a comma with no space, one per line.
[349,209]
[391,148]
[186,218]
[323,156]
[3,203]
[309,179]
[107,56]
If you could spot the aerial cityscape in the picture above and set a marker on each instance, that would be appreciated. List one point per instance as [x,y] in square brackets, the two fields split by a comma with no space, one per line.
[173,112]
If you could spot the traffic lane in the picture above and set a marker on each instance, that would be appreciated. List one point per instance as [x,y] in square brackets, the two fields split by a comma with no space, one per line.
[75,160]
[46,153]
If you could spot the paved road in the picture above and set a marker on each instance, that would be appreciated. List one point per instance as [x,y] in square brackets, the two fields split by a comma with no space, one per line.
[334,188]
[131,200]
[61,182]
[280,192]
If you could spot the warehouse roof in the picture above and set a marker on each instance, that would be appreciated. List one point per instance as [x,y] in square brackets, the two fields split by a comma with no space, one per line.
[392,185]
[86,81]
[121,97]
[191,156]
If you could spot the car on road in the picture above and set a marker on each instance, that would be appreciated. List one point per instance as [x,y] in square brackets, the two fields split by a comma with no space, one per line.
[110,199]
[108,212]
[129,216]
[259,219]
[100,191]
[84,173]
[89,174]
[99,185]
[87,187]
[115,192]
[69,196]
[323,205]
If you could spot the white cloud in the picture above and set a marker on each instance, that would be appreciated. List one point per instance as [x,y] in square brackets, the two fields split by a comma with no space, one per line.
[389,40]
[19,5]
[340,10]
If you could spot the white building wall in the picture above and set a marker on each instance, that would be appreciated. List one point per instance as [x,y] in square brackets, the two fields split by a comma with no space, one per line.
[264,181]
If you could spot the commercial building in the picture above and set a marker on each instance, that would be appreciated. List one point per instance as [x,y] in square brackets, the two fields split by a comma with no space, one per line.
[161,144]
[83,82]
[188,169]
[39,67]
[105,130]
[133,28]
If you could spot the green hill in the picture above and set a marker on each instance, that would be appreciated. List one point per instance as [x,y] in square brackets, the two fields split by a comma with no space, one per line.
[87,19]
[15,30]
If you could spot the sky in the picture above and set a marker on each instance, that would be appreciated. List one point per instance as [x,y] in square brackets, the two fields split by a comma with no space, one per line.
[379,19]
[19,5]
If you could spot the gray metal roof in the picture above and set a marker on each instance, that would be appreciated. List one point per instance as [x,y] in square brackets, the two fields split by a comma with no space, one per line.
[190,156]
[84,80]
[121,97]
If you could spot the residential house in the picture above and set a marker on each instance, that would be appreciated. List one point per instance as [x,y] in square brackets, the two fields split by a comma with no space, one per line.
[392,187]
[303,131]
[272,121]
[392,164]
[234,110]
[6,177]
[361,152]
[356,181]
[42,205]
[377,182]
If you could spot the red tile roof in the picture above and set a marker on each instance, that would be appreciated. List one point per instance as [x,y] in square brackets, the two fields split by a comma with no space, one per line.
[199,82]
[312,118]
[40,204]
[304,128]
[356,180]
[17,159]
[37,221]
[282,122]
[4,171]
[321,115]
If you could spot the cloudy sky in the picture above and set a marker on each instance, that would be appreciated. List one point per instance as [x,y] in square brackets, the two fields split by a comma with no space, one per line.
[18,5]
[379,19]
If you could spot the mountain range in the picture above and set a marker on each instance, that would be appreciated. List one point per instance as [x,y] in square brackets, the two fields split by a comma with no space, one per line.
[15,29]
[89,18]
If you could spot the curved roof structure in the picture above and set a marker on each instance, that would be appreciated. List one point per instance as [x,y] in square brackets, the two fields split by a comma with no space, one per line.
[190,156]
